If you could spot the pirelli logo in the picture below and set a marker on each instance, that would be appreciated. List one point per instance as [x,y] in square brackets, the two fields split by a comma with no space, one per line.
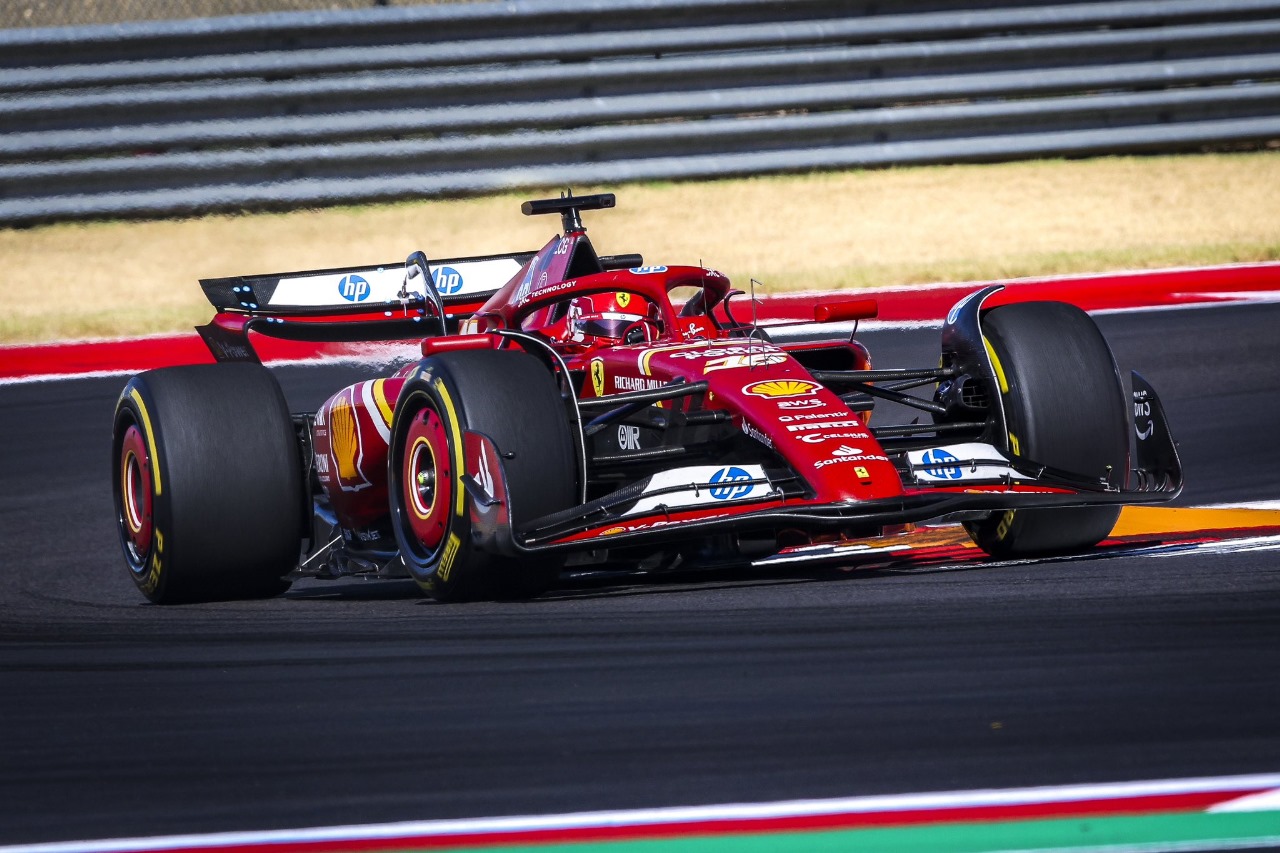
[450,554]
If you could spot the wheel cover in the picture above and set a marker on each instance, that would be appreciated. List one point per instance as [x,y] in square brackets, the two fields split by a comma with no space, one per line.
[136,498]
[427,481]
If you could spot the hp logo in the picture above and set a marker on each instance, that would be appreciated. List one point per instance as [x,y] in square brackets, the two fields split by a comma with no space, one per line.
[353,288]
[942,465]
[448,280]
[730,483]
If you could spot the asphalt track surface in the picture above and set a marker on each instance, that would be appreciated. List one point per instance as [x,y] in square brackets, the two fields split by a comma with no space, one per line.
[349,702]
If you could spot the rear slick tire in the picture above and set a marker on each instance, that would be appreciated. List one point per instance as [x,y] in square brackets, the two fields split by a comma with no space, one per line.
[1065,408]
[207,483]
[513,399]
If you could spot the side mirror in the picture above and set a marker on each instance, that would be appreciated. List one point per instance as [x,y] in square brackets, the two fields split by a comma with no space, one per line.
[416,267]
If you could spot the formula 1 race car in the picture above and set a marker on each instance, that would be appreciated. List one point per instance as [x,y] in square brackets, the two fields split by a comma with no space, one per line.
[577,410]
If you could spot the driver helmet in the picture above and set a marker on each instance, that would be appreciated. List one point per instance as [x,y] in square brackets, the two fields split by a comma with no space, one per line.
[604,316]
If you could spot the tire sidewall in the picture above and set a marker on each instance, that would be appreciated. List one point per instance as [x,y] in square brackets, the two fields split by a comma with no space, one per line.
[1033,432]
[433,570]
[227,498]
[148,573]
[509,396]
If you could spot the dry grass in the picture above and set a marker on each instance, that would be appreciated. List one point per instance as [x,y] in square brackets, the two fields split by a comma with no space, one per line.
[837,230]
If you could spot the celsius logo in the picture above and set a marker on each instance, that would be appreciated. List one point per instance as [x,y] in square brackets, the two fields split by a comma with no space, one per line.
[939,463]
[353,288]
[730,483]
[448,280]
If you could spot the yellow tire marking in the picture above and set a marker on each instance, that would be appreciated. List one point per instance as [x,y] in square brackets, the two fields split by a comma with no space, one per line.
[151,439]
[995,364]
[456,432]
[451,548]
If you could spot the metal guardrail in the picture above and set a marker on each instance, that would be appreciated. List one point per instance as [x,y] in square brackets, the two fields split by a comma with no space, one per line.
[273,111]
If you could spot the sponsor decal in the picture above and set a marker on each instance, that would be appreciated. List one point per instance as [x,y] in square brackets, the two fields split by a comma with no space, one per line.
[822,425]
[450,554]
[597,376]
[699,350]
[633,528]
[526,284]
[629,437]
[819,438]
[699,485]
[730,483]
[939,463]
[623,299]
[774,389]
[322,465]
[383,284]
[543,289]
[484,477]
[845,453]
[646,270]
[751,432]
[344,443]
[1142,412]
[755,359]
[633,383]
[353,288]
[814,416]
[448,281]
[801,404]
[156,567]
[714,350]
[957,462]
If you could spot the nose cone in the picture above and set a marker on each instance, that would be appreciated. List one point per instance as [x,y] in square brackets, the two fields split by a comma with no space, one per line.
[775,401]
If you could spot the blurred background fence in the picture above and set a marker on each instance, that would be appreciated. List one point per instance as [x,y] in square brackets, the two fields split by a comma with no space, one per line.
[371,102]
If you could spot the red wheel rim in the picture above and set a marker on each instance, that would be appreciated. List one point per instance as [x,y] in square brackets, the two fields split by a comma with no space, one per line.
[135,494]
[428,479]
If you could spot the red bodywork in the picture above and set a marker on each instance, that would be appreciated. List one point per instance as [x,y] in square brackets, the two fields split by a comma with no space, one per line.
[780,454]
[770,397]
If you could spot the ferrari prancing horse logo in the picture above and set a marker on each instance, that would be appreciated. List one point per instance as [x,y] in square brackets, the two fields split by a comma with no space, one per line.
[597,376]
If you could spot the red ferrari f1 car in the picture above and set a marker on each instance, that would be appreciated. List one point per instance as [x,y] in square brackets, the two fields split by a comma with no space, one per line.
[575,409]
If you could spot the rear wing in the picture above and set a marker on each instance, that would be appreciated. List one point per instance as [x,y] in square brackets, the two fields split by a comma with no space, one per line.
[366,303]
[459,281]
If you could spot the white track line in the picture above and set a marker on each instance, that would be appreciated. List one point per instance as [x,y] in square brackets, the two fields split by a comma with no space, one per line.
[1268,783]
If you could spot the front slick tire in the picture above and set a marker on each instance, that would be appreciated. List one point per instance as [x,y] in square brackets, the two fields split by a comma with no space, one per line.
[207,483]
[512,399]
[1065,408]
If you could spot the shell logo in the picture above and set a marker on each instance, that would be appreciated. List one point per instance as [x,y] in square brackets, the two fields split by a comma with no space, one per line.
[613,531]
[777,388]
[344,439]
